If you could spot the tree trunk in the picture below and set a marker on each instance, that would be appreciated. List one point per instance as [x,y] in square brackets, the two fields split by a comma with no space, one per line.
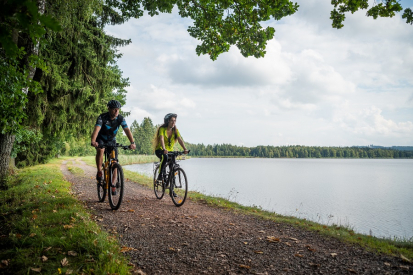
[6,144]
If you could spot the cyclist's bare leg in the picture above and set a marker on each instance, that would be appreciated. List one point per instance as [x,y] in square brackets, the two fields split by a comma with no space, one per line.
[99,158]
[114,177]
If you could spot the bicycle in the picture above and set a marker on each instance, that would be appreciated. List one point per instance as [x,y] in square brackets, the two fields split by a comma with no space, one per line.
[109,167]
[175,180]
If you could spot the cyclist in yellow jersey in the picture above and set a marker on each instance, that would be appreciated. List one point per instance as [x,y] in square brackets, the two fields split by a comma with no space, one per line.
[165,139]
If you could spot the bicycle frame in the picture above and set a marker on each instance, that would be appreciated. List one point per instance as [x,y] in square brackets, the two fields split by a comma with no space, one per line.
[110,157]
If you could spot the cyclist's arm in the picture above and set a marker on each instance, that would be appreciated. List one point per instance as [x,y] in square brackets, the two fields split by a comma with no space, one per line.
[130,137]
[181,142]
[163,144]
[94,136]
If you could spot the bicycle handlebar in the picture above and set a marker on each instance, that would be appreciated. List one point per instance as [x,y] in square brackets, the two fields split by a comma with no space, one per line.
[124,147]
[177,153]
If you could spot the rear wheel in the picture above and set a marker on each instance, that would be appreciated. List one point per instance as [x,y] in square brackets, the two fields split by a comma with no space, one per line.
[158,187]
[179,187]
[101,188]
[115,199]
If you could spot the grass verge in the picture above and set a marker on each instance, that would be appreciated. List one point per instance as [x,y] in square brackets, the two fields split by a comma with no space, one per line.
[44,228]
[398,248]
[124,159]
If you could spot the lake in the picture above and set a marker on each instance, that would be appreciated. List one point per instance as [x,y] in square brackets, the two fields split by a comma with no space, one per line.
[373,196]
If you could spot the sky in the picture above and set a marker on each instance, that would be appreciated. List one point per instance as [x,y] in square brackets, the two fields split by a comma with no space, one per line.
[316,86]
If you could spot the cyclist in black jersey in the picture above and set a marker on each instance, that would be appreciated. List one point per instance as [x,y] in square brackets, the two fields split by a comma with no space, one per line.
[105,131]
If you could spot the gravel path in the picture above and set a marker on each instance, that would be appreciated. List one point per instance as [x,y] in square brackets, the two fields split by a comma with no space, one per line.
[199,239]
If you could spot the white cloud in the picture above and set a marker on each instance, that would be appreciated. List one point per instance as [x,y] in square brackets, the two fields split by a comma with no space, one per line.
[315,86]
[370,122]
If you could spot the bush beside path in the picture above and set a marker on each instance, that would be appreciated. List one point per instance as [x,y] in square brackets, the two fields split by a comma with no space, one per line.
[160,238]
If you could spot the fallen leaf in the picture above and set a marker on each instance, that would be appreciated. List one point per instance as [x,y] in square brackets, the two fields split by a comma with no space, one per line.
[69,271]
[32,235]
[287,243]
[310,248]
[64,262]
[72,253]
[245,242]
[44,258]
[18,236]
[171,248]
[131,210]
[67,226]
[36,269]
[272,239]
[333,255]
[387,264]
[34,217]
[261,231]
[4,263]
[47,249]
[405,259]
[404,267]
[314,265]
[244,266]
[294,239]
[126,249]
[258,252]
[95,242]
[351,270]
[298,255]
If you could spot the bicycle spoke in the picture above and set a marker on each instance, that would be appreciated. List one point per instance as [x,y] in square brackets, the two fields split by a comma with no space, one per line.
[116,187]
[101,190]
[158,187]
[179,187]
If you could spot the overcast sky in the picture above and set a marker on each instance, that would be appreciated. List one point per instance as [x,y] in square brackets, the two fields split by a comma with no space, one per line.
[315,86]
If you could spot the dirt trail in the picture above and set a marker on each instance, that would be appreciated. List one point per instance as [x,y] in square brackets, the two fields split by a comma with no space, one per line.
[198,239]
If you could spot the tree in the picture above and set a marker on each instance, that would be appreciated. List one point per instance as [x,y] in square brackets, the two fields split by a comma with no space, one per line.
[79,79]
[385,8]
[22,25]
[77,70]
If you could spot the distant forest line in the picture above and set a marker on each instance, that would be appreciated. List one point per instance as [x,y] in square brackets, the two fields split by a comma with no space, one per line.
[295,151]
[144,133]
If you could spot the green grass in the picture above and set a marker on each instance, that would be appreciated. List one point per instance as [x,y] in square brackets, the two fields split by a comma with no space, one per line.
[39,217]
[136,159]
[90,160]
[75,170]
[394,247]
[124,159]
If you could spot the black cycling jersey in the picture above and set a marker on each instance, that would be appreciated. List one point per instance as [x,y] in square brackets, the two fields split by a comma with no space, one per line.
[109,128]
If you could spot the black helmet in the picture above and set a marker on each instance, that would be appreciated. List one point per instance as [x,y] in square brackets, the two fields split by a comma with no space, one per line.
[114,104]
[168,117]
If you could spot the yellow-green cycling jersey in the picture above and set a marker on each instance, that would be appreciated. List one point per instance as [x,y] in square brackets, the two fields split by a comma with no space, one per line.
[169,142]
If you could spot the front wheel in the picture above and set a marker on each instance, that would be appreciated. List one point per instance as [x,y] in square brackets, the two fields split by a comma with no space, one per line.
[179,187]
[116,187]
[158,186]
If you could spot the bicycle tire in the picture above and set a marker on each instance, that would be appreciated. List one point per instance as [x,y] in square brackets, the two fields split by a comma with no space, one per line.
[158,188]
[101,190]
[179,187]
[101,187]
[116,200]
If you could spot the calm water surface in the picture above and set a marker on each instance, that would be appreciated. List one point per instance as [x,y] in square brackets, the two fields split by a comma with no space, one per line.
[374,196]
